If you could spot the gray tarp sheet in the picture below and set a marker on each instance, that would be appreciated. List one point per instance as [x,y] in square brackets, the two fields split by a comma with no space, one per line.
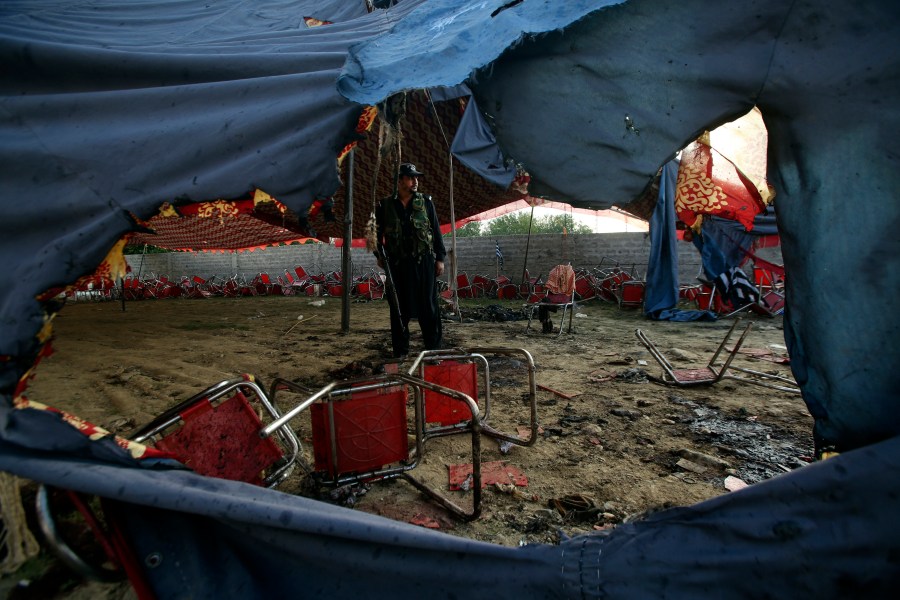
[112,107]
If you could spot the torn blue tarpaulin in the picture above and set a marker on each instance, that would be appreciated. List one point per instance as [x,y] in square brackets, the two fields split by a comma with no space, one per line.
[474,145]
[788,536]
[721,267]
[662,266]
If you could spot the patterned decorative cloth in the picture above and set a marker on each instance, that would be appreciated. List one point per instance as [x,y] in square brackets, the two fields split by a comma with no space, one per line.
[561,280]
[710,184]
[221,225]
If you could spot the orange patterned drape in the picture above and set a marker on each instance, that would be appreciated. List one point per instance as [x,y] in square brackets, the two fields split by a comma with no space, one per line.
[710,184]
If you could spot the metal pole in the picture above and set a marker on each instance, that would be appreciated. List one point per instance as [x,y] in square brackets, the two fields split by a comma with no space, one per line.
[527,243]
[453,266]
[346,262]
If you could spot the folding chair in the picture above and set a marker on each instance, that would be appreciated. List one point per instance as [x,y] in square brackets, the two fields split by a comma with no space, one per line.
[231,288]
[560,294]
[709,298]
[505,289]
[292,286]
[630,293]
[265,286]
[585,285]
[771,303]
[611,279]
[334,283]
[302,278]
[216,433]
[769,279]
[709,374]
[194,287]
[531,286]
[370,286]
[360,432]
[458,369]
[134,288]
[166,288]
[464,287]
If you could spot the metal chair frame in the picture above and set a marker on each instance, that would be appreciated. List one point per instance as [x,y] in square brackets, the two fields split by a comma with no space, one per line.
[714,372]
[477,355]
[164,424]
[709,374]
[568,308]
[343,391]
[121,560]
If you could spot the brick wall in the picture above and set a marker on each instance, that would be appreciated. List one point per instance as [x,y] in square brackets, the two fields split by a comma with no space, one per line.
[476,256]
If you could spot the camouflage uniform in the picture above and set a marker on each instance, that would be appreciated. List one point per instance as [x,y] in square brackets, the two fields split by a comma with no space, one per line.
[413,241]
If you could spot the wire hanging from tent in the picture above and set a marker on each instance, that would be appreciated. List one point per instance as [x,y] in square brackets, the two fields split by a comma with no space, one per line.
[453,287]
[390,135]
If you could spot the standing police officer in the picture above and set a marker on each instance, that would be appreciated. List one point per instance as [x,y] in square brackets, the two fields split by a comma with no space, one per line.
[408,228]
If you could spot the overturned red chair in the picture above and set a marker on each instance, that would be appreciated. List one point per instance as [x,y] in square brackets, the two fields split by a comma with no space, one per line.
[361,432]
[711,373]
[467,370]
[217,433]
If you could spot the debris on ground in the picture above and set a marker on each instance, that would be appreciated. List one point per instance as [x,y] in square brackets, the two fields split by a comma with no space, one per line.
[493,313]
[355,369]
[633,375]
[575,507]
[733,484]
[492,472]
[691,466]
[425,521]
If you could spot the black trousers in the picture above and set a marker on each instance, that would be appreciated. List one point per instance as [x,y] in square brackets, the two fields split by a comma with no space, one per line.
[417,294]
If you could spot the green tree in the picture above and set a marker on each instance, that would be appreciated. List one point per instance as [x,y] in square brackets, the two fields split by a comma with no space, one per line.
[556,224]
[511,224]
[471,229]
[518,223]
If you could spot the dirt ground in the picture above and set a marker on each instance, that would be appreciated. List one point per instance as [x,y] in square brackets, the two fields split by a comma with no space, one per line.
[614,443]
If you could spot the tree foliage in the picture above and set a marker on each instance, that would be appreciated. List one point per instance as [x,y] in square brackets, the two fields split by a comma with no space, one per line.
[471,229]
[517,223]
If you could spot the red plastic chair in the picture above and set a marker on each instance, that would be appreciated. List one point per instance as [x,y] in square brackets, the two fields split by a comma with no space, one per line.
[464,370]
[464,287]
[359,432]
[216,433]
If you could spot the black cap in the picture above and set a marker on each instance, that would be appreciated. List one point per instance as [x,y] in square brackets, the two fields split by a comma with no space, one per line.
[409,170]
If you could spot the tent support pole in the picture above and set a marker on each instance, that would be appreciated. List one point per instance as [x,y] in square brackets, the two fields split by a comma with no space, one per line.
[527,244]
[453,262]
[346,262]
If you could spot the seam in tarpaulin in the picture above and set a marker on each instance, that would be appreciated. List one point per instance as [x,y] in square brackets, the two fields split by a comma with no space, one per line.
[580,567]
[765,79]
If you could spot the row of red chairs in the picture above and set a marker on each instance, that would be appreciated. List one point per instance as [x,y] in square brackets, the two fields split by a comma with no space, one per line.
[298,282]
[610,283]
